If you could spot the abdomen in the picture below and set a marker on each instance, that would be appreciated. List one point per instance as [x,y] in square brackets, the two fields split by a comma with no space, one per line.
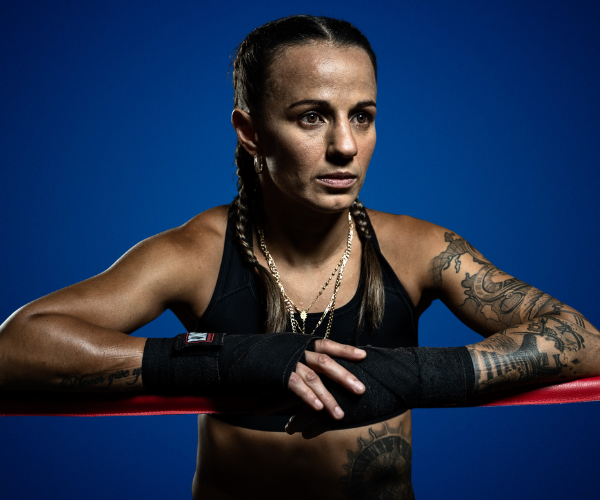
[365,462]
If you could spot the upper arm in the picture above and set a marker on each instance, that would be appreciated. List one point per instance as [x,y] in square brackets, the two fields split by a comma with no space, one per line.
[123,298]
[166,269]
[435,263]
[482,296]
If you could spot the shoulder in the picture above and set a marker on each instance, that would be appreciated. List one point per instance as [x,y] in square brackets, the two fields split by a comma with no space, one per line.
[394,227]
[180,258]
[411,246]
[196,238]
[176,269]
[199,234]
[405,236]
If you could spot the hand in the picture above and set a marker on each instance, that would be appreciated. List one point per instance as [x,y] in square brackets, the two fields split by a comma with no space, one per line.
[306,384]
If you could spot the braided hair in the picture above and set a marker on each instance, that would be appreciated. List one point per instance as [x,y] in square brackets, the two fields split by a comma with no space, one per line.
[253,60]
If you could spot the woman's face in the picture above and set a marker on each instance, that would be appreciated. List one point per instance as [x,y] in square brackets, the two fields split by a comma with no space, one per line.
[318,131]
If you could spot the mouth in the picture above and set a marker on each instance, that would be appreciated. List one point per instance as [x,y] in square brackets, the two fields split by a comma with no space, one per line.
[338,180]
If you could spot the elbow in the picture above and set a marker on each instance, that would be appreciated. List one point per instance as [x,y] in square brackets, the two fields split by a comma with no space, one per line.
[16,325]
[15,336]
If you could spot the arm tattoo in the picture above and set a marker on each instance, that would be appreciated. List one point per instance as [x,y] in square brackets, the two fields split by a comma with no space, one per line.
[540,336]
[379,467]
[547,350]
[104,382]
[500,301]
[456,248]
[506,302]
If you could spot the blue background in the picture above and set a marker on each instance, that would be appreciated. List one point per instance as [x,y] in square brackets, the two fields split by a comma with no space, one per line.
[114,125]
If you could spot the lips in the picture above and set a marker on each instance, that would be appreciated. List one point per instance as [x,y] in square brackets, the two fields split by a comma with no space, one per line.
[337,179]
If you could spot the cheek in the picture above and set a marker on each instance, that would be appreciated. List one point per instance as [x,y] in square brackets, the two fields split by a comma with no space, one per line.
[296,158]
[365,150]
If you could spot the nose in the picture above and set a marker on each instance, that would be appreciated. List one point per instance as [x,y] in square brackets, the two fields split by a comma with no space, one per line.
[341,141]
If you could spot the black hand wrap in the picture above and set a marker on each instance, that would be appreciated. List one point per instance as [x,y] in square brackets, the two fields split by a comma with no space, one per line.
[404,378]
[217,363]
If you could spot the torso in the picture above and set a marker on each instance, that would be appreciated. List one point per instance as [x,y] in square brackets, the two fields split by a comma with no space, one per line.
[365,462]
[237,462]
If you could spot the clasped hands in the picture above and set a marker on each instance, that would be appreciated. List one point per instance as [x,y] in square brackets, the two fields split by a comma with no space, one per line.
[306,384]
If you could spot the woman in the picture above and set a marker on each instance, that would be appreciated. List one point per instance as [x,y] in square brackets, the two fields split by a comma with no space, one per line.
[305,103]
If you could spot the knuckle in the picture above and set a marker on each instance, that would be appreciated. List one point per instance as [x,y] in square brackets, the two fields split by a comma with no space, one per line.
[311,376]
[323,360]
[327,399]
[294,378]
[307,393]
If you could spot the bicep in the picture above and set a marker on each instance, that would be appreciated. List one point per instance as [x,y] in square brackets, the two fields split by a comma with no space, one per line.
[161,272]
[482,296]
[131,293]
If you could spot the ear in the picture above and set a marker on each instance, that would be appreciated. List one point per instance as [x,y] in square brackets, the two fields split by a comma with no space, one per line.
[246,131]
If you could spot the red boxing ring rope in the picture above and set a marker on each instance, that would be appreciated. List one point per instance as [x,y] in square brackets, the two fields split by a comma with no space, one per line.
[28,403]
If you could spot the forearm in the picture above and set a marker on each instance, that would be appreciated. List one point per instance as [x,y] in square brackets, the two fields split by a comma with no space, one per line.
[548,348]
[60,352]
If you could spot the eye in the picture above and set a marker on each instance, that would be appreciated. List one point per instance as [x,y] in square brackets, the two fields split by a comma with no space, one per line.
[363,119]
[311,118]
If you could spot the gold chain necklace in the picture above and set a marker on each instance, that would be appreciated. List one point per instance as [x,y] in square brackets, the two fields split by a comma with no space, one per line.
[290,305]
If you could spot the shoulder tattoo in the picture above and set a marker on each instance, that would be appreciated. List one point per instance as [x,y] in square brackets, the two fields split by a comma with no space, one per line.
[456,248]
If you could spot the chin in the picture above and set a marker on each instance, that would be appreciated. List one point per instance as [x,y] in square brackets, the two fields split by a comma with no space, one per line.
[331,204]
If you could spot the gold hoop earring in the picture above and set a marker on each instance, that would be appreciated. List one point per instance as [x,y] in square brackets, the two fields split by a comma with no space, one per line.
[258,164]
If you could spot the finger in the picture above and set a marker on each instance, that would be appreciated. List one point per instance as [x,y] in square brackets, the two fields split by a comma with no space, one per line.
[322,363]
[345,351]
[299,387]
[314,382]
[272,405]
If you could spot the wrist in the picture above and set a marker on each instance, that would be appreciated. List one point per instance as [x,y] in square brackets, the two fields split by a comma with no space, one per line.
[200,363]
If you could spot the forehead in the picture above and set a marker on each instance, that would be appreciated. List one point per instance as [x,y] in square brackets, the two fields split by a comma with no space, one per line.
[322,71]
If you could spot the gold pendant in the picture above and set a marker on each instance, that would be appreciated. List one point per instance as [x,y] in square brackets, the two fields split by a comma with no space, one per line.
[303,315]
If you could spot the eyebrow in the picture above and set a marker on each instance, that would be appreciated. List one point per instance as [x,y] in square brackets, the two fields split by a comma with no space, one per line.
[327,104]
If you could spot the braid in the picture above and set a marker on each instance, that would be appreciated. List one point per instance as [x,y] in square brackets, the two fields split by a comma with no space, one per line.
[240,209]
[251,68]
[372,305]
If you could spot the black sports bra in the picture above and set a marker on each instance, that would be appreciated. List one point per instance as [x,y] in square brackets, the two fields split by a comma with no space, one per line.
[236,307]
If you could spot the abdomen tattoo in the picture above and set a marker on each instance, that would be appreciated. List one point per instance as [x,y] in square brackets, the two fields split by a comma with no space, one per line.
[379,468]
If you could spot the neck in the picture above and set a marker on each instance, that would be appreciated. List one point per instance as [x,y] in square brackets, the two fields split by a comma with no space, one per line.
[303,237]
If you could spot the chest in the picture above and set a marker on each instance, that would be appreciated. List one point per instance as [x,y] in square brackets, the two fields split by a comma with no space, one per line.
[234,302]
